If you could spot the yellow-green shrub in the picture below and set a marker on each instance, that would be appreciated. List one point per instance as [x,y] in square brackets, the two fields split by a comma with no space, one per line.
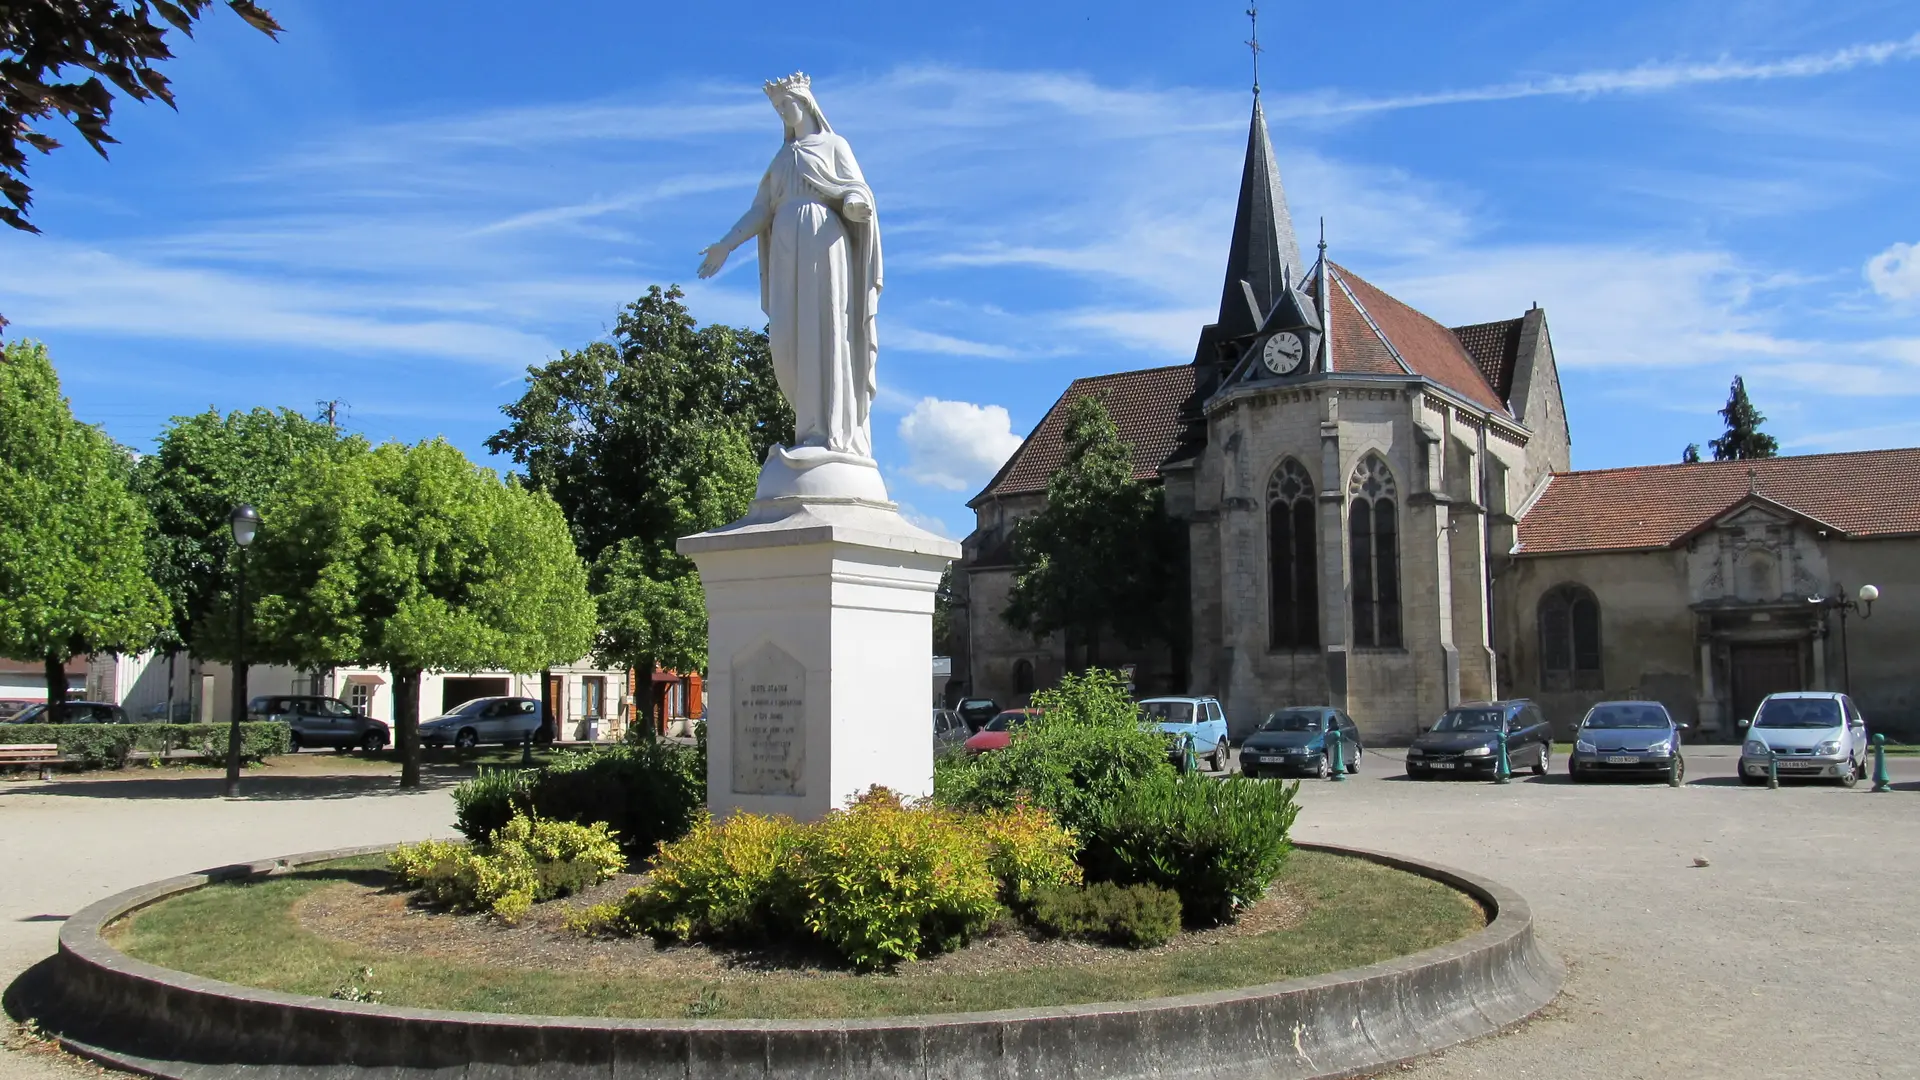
[524,861]
[1027,851]
[719,881]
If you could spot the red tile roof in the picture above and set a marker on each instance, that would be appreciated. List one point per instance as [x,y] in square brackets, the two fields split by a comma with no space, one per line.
[1145,406]
[1495,348]
[1424,346]
[1871,493]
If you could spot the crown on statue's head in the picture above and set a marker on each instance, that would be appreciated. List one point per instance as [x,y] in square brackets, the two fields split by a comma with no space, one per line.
[776,88]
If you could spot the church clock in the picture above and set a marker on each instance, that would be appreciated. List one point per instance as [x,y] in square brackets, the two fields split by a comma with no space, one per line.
[1283,353]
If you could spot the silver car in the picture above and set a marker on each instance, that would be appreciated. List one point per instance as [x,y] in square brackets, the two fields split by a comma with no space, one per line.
[1806,734]
[506,720]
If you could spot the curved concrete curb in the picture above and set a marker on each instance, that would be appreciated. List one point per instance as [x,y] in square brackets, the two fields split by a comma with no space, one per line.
[136,1016]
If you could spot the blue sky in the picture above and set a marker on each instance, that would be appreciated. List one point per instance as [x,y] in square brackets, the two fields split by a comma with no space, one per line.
[404,205]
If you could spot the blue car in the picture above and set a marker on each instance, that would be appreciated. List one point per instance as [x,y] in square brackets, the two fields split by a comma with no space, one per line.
[1627,737]
[1196,722]
[1300,740]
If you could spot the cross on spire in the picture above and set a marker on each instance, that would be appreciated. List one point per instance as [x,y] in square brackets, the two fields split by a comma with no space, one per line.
[1253,43]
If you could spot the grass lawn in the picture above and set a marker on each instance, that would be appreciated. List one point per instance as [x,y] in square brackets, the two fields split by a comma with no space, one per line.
[1357,913]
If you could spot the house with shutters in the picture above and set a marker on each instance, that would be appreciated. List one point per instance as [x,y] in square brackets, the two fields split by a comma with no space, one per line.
[1380,515]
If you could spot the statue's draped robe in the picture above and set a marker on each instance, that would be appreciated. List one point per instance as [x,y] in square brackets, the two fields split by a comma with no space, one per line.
[820,282]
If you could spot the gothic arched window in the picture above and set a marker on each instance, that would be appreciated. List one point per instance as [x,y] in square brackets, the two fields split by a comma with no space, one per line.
[1293,592]
[1374,545]
[1570,639]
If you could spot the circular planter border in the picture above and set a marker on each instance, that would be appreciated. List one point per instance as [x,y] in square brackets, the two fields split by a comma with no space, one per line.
[136,1016]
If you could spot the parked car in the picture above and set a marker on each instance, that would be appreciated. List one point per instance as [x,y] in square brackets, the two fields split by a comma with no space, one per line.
[999,730]
[1300,740]
[1632,737]
[1466,740]
[158,713]
[949,730]
[977,712]
[1811,734]
[321,721]
[506,720]
[1198,722]
[71,712]
[11,707]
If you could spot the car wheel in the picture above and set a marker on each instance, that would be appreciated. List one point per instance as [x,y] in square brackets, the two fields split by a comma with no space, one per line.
[1750,781]
[293,742]
[1353,763]
[1324,767]
[373,744]
[1575,774]
[1414,772]
[1222,756]
[467,739]
[1852,775]
[1546,760]
[1680,768]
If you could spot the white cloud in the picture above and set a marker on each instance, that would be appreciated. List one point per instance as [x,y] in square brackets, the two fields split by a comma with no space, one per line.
[1895,272]
[934,525]
[956,445]
[907,337]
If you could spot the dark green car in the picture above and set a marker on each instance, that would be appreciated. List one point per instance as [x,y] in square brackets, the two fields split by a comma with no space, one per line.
[1300,740]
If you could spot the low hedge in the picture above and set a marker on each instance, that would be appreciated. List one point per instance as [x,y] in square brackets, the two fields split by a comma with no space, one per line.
[648,793]
[110,745]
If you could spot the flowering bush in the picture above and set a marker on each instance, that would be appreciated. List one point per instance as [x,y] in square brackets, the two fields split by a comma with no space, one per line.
[1028,851]
[525,861]
[719,881]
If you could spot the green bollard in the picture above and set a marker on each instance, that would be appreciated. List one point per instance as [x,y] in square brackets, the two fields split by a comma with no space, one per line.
[1502,771]
[1193,759]
[1881,781]
[1339,760]
[1773,768]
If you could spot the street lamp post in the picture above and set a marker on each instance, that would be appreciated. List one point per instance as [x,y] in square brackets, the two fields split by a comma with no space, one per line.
[245,522]
[1861,602]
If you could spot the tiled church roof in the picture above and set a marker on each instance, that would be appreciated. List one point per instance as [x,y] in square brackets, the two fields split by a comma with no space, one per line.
[1423,346]
[1871,493]
[1145,406]
[1495,348]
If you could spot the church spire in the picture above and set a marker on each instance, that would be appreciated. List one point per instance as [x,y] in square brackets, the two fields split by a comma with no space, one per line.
[1263,243]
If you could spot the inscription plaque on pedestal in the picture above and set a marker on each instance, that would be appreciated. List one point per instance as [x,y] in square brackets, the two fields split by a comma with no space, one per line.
[769,723]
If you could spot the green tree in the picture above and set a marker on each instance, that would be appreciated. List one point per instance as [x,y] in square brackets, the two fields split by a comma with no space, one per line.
[944,640]
[1743,439]
[112,39]
[414,558]
[1691,455]
[1100,557]
[642,439]
[73,567]
[203,467]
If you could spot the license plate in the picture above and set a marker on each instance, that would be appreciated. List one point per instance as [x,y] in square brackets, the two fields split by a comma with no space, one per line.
[1257,758]
[1443,764]
[1623,759]
[1803,764]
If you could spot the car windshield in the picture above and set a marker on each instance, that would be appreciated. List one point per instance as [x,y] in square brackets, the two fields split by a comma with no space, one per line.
[977,703]
[472,708]
[1168,712]
[1006,721]
[1470,720]
[31,714]
[1626,716]
[1798,713]
[1292,721]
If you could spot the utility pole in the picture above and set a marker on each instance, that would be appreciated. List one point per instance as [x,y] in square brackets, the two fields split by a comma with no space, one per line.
[330,412]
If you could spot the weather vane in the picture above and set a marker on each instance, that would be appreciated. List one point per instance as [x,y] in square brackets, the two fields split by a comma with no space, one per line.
[1253,16]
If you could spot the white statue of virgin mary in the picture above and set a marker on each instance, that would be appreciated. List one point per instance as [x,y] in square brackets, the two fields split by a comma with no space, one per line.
[820,280]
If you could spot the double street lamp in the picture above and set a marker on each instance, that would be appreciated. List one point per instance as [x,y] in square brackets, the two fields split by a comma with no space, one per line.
[245,522]
[1861,602]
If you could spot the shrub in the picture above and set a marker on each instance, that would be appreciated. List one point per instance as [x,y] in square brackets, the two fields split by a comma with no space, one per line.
[1028,851]
[110,745]
[647,792]
[1086,747]
[1217,843]
[881,882]
[526,861]
[1136,916]
[719,881]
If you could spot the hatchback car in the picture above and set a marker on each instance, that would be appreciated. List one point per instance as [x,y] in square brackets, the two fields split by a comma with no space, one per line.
[321,721]
[949,730]
[1631,737]
[1300,740]
[509,721]
[1466,740]
[999,730]
[977,711]
[1191,722]
[1809,734]
[70,712]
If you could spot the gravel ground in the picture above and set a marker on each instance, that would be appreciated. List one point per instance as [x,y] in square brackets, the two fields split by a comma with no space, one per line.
[1790,954]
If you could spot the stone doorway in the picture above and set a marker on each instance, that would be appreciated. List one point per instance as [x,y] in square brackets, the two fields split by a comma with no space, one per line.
[1762,669]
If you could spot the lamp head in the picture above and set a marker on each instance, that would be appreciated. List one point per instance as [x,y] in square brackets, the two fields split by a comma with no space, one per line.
[245,521]
[1868,594]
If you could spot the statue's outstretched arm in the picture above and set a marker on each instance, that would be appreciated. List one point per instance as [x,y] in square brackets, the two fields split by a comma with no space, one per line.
[751,224]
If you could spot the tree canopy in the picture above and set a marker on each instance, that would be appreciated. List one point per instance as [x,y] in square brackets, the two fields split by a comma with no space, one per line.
[1101,555]
[1743,438]
[203,467]
[114,40]
[414,558]
[73,565]
[642,439]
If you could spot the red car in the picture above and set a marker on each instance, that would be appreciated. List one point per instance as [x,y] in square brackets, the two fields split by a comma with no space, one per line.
[999,730]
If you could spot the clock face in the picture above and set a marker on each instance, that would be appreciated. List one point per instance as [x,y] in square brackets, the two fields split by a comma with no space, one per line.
[1283,353]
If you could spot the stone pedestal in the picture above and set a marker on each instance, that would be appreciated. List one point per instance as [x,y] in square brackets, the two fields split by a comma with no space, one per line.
[820,642]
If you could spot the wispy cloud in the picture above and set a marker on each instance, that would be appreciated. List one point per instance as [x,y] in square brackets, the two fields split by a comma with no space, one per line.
[1895,272]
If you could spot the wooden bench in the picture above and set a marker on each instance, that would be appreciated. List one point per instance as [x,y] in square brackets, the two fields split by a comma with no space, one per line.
[45,755]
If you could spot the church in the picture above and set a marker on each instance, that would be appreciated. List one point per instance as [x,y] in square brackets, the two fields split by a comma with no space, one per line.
[1380,514]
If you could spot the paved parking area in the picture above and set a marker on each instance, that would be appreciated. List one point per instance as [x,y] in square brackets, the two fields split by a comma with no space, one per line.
[1793,953]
